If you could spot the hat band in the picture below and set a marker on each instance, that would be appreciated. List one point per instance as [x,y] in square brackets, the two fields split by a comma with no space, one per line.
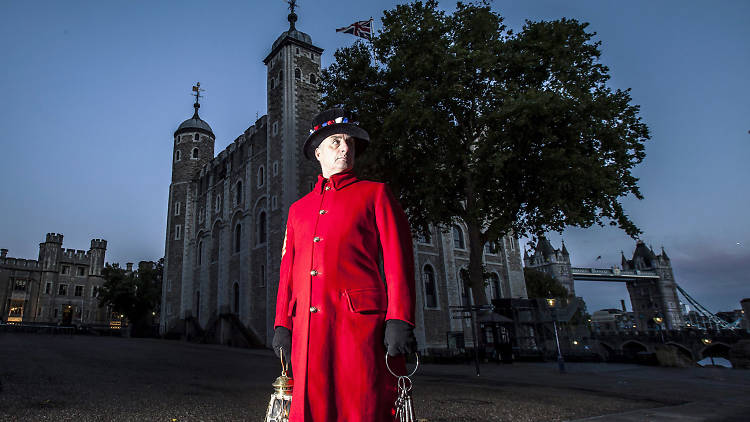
[330,122]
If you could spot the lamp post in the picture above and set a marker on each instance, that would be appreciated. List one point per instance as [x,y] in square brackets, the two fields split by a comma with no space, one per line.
[658,320]
[551,302]
[706,342]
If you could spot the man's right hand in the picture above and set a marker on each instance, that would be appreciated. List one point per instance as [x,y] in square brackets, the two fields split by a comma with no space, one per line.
[282,339]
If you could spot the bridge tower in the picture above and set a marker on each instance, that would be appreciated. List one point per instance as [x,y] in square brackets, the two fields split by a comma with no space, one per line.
[653,298]
[554,262]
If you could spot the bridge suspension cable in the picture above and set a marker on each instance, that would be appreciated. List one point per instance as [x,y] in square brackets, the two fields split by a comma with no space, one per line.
[705,312]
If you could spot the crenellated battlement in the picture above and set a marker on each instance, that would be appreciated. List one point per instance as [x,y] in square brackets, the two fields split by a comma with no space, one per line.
[74,256]
[19,263]
[54,238]
[98,244]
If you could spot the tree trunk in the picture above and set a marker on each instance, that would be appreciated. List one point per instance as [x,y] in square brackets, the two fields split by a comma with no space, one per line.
[476,272]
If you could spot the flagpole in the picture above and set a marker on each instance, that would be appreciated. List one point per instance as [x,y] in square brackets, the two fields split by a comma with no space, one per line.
[372,29]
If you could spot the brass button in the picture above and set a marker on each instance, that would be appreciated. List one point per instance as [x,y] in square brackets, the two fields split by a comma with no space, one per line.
[313,272]
[313,309]
[316,239]
[323,212]
[328,188]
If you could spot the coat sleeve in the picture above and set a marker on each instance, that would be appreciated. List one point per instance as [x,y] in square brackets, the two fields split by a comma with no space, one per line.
[398,256]
[284,295]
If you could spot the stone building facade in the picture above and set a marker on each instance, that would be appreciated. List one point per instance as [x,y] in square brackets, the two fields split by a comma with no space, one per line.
[58,288]
[227,214]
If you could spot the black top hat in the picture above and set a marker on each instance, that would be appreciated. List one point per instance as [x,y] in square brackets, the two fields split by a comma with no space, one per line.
[330,122]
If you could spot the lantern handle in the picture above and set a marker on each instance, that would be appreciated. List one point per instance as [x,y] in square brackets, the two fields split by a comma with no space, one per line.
[399,376]
[284,365]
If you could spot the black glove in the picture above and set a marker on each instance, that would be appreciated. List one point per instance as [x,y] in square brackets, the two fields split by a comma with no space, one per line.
[282,339]
[399,338]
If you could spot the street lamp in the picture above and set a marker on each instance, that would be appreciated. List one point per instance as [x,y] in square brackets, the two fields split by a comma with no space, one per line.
[706,342]
[551,302]
[658,320]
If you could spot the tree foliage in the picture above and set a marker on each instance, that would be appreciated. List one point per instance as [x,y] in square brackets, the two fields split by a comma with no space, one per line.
[510,133]
[134,294]
[543,285]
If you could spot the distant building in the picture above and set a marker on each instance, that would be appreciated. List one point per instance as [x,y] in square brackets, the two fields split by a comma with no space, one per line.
[58,288]
[612,321]
[227,214]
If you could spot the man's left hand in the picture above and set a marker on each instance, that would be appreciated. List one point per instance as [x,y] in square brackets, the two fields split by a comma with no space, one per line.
[399,338]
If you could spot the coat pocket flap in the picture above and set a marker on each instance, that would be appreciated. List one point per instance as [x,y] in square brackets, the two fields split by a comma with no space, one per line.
[290,308]
[367,300]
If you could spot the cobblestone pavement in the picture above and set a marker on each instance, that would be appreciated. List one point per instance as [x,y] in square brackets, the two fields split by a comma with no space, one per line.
[82,378]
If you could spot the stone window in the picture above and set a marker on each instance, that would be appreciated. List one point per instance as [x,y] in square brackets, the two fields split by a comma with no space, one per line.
[458,238]
[260,228]
[65,269]
[81,271]
[273,83]
[48,289]
[177,207]
[79,291]
[463,283]
[63,290]
[297,50]
[199,253]
[275,128]
[20,285]
[430,287]
[238,193]
[297,73]
[169,284]
[238,237]
[177,139]
[177,155]
[494,284]
[490,248]
[261,176]
[94,291]
[196,138]
[217,203]
[177,232]
[194,155]
[313,78]
[425,239]
[276,168]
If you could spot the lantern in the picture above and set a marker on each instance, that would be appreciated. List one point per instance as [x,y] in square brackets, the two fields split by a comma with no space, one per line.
[281,398]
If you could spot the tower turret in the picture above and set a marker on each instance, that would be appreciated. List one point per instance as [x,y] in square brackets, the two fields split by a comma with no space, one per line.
[96,256]
[49,251]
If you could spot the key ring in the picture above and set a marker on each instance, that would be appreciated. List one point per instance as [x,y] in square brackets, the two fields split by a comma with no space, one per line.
[399,376]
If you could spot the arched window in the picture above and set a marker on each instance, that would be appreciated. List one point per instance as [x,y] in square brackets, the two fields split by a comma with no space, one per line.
[313,78]
[260,229]
[199,253]
[297,73]
[217,204]
[236,298]
[261,176]
[463,285]
[430,289]
[490,248]
[273,83]
[238,237]
[458,237]
[195,154]
[238,193]
[495,286]
[196,137]
[177,155]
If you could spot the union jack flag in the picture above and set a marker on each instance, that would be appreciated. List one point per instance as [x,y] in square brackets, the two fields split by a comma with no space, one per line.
[359,29]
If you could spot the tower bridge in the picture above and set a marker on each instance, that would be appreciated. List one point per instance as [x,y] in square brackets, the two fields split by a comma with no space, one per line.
[611,274]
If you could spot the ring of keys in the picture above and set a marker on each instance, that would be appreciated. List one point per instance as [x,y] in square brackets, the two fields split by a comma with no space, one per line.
[403,406]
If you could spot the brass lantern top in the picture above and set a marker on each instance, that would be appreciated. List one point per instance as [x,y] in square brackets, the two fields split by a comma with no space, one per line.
[283,384]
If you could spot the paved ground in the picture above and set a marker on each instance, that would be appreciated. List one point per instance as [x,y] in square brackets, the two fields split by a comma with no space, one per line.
[101,379]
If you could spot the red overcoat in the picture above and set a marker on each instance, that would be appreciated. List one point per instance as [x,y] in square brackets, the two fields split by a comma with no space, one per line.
[332,297]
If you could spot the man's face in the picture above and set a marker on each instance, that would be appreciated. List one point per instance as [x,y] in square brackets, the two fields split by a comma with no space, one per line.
[335,154]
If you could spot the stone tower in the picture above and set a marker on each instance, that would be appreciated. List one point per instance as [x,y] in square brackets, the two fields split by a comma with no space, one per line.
[193,148]
[96,256]
[652,298]
[554,262]
[293,69]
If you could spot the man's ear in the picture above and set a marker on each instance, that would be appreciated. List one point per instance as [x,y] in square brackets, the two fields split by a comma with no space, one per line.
[317,153]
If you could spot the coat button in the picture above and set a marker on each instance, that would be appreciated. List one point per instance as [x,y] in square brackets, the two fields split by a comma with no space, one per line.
[316,239]
[313,272]
[323,212]
[313,309]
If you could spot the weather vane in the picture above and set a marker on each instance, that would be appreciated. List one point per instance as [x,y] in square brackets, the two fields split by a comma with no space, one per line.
[292,5]
[197,92]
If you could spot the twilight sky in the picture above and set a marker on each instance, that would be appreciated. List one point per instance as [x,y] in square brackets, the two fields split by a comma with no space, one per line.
[91,92]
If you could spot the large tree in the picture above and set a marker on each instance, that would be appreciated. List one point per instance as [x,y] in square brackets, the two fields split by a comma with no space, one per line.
[135,294]
[509,133]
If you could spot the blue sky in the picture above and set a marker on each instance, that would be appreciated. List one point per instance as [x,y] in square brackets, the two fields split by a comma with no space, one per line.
[91,92]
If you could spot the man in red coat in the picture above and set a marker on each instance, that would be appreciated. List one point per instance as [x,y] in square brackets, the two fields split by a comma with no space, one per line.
[333,310]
